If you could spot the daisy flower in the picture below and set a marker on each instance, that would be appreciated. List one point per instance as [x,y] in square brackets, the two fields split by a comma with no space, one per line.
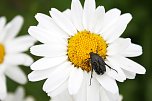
[11,53]
[19,95]
[67,40]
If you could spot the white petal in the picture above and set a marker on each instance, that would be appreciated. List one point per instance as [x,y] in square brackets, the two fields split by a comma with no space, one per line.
[118,28]
[118,74]
[38,34]
[98,19]
[3,68]
[3,90]
[13,27]
[76,12]
[126,48]
[67,13]
[107,96]
[82,93]
[93,90]
[58,77]
[63,21]
[2,23]
[53,50]
[47,23]
[133,50]
[45,36]
[10,97]
[108,83]
[112,97]
[129,65]
[88,14]
[16,74]
[129,75]
[38,75]
[120,98]
[64,96]
[109,19]
[46,63]
[18,59]
[103,95]
[29,98]
[59,90]
[44,20]
[19,94]
[20,44]
[118,46]
[75,80]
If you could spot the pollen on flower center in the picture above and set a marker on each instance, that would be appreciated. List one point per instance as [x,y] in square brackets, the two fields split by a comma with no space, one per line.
[81,44]
[2,53]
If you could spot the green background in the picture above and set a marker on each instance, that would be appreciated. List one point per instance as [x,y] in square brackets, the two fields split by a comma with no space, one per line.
[139,30]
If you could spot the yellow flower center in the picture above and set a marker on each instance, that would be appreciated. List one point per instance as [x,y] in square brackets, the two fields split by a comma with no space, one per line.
[81,44]
[2,53]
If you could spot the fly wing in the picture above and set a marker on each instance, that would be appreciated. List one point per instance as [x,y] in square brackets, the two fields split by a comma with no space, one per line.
[101,64]
[96,67]
[97,63]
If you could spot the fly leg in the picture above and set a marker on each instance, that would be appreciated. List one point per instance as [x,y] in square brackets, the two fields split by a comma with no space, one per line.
[89,60]
[111,68]
[91,75]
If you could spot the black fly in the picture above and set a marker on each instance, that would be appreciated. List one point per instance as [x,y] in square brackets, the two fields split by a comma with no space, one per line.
[97,64]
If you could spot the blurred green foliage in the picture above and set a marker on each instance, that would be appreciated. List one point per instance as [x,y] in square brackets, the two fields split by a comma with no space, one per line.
[139,30]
